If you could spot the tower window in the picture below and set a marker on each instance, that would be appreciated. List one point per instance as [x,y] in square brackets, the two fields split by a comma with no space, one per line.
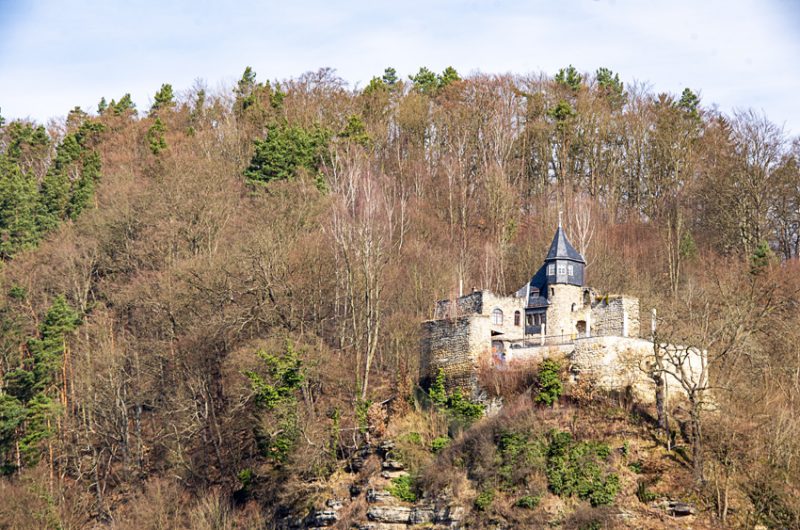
[517,317]
[551,269]
[497,317]
[570,270]
[562,268]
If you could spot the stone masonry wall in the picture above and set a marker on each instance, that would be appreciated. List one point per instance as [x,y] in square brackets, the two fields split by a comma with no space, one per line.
[616,315]
[619,363]
[469,304]
[457,347]
[560,316]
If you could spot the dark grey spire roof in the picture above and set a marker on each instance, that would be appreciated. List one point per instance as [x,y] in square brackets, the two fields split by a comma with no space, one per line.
[560,248]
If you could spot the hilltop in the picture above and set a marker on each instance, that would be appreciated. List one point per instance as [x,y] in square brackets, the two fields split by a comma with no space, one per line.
[212,308]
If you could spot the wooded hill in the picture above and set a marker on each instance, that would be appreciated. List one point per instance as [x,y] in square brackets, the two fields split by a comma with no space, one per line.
[206,305]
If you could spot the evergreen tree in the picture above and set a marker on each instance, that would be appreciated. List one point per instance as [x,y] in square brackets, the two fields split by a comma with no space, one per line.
[102,106]
[18,206]
[425,81]
[389,77]
[156,139]
[164,99]
[449,76]
[284,150]
[570,78]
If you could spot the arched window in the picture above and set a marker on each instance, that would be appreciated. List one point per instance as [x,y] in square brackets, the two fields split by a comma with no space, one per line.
[497,317]
[517,318]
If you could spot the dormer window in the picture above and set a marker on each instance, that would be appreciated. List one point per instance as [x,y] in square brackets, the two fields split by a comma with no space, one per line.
[497,317]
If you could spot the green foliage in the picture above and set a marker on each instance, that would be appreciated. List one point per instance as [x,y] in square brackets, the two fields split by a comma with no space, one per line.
[402,487]
[362,418]
[124,106]
[519,451]
[18,210]
[389,77]
[761,258]
[48,350]
[528,502]
[636,467]
[574,469]
[562,112]
[413,438]
[690,103]
[455,404]
[548,382]
[611,87]
[102,106]
[463,409]
[569,77]
[164,99]
[275,389]
[430,83]
[439,443]
[437,392]
[282,376]
[425,81]
[286,149]
[156,139]
[448,76]
[484,500]
[355,131]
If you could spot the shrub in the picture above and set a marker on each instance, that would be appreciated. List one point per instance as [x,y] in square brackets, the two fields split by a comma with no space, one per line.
[529,502]
[549,383]
[439,443]
[574,468]
[403,488]
[414,438]
[484,500]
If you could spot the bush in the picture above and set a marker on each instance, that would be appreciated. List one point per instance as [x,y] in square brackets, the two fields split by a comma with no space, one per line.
[573,468]
[439,443]
[403,488]
[484,500]
[529,502]
[548,382]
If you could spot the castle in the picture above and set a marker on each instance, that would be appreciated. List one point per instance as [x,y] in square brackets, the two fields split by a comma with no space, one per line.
[553,315]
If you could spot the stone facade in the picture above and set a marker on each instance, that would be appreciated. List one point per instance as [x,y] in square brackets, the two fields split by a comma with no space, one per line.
[616,315]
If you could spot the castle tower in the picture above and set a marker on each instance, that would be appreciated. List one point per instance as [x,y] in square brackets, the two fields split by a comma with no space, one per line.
[555,293]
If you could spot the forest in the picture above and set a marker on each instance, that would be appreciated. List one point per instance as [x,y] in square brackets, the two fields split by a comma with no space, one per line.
[210,305]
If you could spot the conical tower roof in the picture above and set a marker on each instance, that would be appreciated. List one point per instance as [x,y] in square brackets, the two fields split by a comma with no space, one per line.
[561,248]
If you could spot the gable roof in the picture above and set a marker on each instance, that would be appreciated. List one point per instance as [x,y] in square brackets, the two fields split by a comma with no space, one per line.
[561,248]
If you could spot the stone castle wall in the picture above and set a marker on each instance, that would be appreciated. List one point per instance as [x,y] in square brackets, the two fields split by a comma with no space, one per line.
[620,363]
[457,346]
[616,316]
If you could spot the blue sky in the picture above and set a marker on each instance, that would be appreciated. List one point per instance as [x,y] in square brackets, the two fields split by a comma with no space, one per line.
[55,54]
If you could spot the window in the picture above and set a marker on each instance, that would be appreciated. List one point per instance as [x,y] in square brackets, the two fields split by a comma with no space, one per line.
[570,270]
[552,291]
[534,293]
[573,308]
[551,269]
[517,318]
[562,267]
[497,317]
[529,320]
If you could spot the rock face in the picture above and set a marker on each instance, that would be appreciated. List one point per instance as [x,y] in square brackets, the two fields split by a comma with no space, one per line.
[384,511]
